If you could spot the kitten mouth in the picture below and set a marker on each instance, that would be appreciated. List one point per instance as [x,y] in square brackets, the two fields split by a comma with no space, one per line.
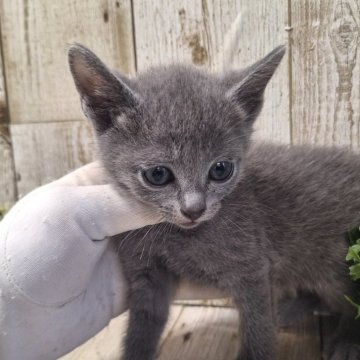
[189,224]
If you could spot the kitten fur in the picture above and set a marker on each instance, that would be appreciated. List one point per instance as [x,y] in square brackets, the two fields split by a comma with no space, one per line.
[275,228]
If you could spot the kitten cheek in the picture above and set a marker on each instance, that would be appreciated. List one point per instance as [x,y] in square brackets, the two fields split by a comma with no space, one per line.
[212,211]
[169,210]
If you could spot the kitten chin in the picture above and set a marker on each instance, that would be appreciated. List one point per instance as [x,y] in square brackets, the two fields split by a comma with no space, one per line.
[189,225]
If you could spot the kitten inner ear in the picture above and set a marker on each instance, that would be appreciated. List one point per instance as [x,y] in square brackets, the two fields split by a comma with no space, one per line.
[103,95]
[247,87]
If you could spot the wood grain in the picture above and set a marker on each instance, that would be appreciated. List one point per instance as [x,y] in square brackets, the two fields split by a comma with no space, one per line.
[4,119]
[106,345]
[325,72]
[302,341]
[217,35]
[202,333]
[45,151]
[36,34]
[8,190]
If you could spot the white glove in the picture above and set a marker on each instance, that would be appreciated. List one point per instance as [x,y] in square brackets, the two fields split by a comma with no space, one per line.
[60,282]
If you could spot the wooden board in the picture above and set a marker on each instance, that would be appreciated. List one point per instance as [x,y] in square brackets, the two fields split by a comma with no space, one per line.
[106,345]
[4,119]
[226,34]
[45,151]
[202,333]
[35,37]
[303,341]
[326,72]
[8,191]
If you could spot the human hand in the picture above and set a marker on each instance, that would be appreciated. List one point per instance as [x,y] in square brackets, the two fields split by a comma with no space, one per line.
[60,282]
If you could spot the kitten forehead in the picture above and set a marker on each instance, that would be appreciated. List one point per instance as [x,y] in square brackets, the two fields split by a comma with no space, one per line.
[181,93]
[187,117]
[186,107]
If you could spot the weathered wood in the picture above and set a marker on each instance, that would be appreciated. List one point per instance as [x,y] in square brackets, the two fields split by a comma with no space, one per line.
[326,72]
[46,151]
[224,302]
[36,34]
[226,34]
[7,174]
[106,345]
[8,191]
[202,333]
[3,106]
[302,341]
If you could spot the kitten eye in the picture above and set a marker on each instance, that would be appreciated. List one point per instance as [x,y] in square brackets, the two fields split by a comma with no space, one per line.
[221,171]
[158,176]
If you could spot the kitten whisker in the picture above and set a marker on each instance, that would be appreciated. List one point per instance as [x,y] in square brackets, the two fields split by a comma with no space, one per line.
[131,234]
[143,240]
[169,226]
[160,227]
[237,226]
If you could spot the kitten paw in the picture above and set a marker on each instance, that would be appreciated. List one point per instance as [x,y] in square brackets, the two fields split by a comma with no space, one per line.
[343,351]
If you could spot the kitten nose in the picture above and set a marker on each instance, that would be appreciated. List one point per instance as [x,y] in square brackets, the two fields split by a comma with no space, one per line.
[193,205]
[192,214]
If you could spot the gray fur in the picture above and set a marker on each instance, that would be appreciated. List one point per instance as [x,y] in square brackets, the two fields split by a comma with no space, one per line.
[277,223]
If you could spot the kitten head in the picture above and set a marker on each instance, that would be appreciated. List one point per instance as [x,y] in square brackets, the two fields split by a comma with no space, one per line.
[175,137]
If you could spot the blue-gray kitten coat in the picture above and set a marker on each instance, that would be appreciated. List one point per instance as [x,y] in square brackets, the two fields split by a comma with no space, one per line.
[245,219]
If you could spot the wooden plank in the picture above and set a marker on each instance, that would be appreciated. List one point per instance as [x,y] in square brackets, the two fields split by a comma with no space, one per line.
[4,119]
[226,34]
[202,333]
[106,345]
[325,72]
[213,335]
[7,176]
[225,302]
[302,341]
[8,191]
[36,34]
[45,151]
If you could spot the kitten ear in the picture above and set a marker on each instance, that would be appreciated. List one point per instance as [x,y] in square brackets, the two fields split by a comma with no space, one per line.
[247,88]
[104,96]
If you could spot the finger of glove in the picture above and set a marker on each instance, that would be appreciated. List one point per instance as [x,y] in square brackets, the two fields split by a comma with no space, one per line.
[110,212]
[47,247]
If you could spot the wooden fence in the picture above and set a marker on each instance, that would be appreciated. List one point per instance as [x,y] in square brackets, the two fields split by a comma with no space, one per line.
[314,97]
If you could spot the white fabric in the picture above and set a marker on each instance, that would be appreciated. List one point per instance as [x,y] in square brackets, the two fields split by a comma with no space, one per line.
[60,282]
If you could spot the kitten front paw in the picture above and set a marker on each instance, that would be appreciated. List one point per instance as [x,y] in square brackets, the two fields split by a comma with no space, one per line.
[343,351]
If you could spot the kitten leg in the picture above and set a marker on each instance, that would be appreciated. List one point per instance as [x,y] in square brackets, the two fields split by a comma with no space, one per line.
[345,343]
[150,295]
[257,328]
[290,311]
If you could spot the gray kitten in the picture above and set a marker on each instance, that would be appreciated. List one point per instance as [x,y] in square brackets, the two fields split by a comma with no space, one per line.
[244,219]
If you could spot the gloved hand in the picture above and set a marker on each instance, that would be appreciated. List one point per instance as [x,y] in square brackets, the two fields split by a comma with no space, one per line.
[60,282]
